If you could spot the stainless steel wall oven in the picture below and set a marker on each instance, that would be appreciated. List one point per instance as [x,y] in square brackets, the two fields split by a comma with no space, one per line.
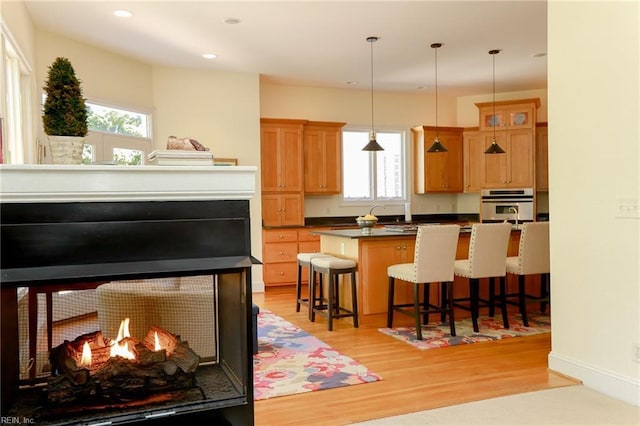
[497,205]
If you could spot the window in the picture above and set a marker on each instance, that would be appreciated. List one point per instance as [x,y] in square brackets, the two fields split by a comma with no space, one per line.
[16,126]
[372,176]
[116,136]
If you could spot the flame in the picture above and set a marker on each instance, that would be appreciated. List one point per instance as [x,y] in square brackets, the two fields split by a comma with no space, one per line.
[157,346]
[85,361]
[121,348]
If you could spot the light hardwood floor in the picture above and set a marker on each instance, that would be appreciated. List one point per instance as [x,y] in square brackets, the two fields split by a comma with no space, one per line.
[413,380]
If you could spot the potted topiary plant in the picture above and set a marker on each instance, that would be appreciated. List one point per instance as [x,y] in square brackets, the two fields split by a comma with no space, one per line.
[65,113]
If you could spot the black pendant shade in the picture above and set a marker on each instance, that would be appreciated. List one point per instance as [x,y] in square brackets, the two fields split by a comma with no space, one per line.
[373,144]
[437,145]
[494,148]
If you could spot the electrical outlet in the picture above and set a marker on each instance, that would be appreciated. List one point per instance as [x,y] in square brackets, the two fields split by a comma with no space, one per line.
[342,249]
[635,352]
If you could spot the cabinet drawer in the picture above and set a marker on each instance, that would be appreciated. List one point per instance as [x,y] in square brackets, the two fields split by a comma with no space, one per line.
[279,235]
[305,234]
[309,247]
[280,273]
[280,252]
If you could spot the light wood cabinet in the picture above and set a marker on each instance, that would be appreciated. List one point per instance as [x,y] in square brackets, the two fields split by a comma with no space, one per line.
[282,209]
[513,126]
[280,247]
[322,157]
[279,256]
[437,171]
[515,168]
[282,172]
[473,156]
[542,157]
[375,257]
[520,114]
[281,155]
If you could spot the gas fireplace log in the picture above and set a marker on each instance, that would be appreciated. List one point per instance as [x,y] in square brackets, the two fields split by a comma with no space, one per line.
[165,339]
[185,358]
[115,378]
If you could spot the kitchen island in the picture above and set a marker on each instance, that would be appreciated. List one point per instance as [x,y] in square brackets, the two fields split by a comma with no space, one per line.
[383,247]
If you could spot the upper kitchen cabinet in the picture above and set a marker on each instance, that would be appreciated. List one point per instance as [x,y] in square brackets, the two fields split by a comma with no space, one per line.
[473,160]
[437,171]
[520,114]
[514,168]
[513,125]
[542,157]
[322,157]
[281,155]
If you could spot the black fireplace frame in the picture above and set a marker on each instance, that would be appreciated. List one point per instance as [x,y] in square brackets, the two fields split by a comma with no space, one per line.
[58,243]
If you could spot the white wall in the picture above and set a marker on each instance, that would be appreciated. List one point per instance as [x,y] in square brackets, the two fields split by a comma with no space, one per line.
[594,157]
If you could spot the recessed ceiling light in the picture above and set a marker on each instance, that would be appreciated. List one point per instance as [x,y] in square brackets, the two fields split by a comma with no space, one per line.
[231,21]
[209,55]
[123,13]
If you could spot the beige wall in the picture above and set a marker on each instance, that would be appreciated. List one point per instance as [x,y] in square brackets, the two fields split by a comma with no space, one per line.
[594,157]
[106,77]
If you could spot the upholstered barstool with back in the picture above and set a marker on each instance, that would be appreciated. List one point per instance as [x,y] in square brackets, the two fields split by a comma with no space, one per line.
[487,259]
[334,268]
[532,259]
[304,261]
[434,258]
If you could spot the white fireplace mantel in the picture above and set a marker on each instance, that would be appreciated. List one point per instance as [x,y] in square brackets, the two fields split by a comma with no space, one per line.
[53,183]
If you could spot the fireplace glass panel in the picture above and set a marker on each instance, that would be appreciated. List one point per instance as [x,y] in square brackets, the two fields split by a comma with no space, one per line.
[60,384]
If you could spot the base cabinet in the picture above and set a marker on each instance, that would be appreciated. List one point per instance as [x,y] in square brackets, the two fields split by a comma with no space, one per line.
[280,248]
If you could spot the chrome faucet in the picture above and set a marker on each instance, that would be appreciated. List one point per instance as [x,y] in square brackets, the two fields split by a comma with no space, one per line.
[514,210]
[374,206]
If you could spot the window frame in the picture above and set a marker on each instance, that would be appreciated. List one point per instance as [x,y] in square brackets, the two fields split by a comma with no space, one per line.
[373,159]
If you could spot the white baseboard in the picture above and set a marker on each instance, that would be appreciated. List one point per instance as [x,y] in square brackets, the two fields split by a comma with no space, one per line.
[619,387]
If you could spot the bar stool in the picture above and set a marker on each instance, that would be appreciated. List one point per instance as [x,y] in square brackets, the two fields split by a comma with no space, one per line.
[304,261]
[333,267]
[487,259]
[532,259]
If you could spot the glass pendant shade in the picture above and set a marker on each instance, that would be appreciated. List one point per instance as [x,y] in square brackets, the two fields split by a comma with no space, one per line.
[494,148]
[373,144]
[437,145]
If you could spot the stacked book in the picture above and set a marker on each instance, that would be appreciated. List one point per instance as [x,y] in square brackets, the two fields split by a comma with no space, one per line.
[177,157]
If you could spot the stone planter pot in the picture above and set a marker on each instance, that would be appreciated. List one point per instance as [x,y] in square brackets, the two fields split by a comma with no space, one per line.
[66,149]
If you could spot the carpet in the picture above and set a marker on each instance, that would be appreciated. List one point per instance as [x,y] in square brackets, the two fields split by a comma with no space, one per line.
[437,335]
[291,361]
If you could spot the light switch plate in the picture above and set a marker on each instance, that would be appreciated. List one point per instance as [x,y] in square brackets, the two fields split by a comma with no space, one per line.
[628,208]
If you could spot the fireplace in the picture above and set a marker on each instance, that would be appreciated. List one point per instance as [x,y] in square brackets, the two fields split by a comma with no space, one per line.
[168,277]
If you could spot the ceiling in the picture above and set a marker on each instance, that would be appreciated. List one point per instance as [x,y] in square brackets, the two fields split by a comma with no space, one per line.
[323,43]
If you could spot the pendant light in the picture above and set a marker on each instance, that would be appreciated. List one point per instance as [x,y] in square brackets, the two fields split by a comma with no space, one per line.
[494,148]
[436,146]
[373,144]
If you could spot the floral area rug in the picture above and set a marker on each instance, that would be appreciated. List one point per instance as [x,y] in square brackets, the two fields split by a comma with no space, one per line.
[436,335]
[291,361]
